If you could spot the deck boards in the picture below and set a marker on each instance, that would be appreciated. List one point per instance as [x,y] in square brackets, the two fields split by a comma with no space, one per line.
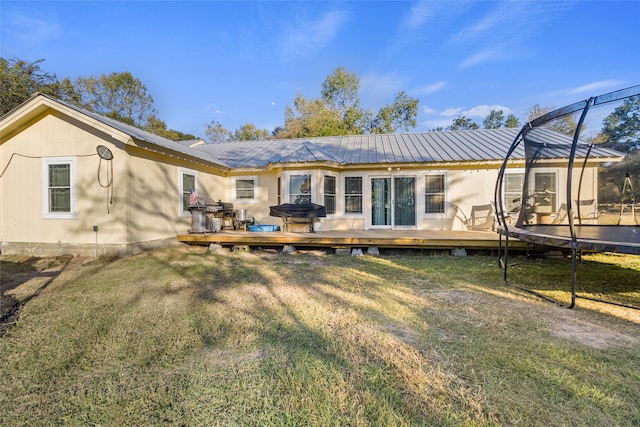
[415,239]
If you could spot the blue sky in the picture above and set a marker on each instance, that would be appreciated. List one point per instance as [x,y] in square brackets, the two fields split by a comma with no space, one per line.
[243,62]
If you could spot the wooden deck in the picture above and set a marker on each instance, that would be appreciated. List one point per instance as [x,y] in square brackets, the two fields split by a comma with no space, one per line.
[405,239]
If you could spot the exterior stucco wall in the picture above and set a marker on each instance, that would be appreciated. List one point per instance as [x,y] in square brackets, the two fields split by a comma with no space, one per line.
[156,198]
[464,189]
[133,200]
[22,184]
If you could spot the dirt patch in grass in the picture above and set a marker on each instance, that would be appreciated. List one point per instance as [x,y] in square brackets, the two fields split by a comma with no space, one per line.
[568,326]
[574,325]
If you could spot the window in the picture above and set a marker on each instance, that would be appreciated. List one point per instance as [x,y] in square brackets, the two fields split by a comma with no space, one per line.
[188,189]
[59,188]
[544,191]
[300,188]
[279,190]
[330,194]
[434,194]
[353,194]
[244,188]
[513,186]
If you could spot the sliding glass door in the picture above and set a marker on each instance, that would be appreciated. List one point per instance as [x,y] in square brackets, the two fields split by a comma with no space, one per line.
[404,203]
[393,201]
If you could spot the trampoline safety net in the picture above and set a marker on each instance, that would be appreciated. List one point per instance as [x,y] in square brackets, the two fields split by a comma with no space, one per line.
[570,178]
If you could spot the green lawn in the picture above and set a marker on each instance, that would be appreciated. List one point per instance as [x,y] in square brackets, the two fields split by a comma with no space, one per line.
[185,336]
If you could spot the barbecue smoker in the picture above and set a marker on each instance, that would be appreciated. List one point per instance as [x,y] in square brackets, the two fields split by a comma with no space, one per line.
[208,216]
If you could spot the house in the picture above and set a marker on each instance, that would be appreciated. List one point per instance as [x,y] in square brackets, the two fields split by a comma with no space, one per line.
[75,181]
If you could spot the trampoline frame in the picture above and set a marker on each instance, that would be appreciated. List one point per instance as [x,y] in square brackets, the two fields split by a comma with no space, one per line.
[538,234]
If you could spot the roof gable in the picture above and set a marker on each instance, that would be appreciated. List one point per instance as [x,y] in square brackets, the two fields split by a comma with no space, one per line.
[309,152]
[40,103]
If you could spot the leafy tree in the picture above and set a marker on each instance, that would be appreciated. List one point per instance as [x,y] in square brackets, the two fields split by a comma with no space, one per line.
[463,123]
[621,131]
[340,92]
[215,132]
[494,120]
[565,124]
[120,96]
[512,122]
[20,79]
[249,132]
[338,111]
[159,127]
[311,118]
[621,128]
[399,115]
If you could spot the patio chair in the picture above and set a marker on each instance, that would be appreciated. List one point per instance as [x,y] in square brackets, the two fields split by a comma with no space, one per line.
[587,211]
[481,218]
[561,215]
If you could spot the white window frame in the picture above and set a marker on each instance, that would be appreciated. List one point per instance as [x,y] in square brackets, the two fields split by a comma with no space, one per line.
[336,194]
[445,195]
[234,193]
[555,202]
[364,207]
[73,208]
[287,183]
[518,171]
[183,171]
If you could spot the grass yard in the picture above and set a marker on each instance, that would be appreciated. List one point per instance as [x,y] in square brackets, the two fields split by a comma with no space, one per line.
[191,337]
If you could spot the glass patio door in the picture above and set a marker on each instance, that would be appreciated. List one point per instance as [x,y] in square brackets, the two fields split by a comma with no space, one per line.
[393,202]
[380,201]
[404,206]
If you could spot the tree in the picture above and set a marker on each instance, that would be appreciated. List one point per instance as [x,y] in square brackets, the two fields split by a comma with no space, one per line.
[512,122]
[338,111]
[621,128]
[399,115]
[494,120]
[538,111]
[249,132]
[20,79]
[117,95]
[340,92]
[620,131]
[463,123]
[311,118]
[215,132]
[564,124]
[159,127]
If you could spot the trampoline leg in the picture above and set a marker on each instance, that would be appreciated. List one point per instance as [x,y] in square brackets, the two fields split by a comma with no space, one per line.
[574,267]
[506,257]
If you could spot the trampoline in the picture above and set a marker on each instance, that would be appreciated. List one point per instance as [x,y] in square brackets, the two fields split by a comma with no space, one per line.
[574,190]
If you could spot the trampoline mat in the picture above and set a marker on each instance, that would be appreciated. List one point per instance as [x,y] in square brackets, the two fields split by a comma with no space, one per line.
[598,238]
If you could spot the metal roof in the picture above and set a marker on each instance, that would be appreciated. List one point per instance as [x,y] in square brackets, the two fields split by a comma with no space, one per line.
[136,133]
[483,145]
[424,147]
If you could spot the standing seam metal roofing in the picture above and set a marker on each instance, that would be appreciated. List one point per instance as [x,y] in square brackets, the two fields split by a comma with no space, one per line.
[135,132]
[449,146]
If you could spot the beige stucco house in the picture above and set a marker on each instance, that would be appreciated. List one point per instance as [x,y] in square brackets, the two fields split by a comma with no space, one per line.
[72,181]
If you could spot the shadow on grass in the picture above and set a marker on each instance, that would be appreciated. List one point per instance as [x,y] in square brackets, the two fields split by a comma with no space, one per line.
[598,276]
[15,274]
